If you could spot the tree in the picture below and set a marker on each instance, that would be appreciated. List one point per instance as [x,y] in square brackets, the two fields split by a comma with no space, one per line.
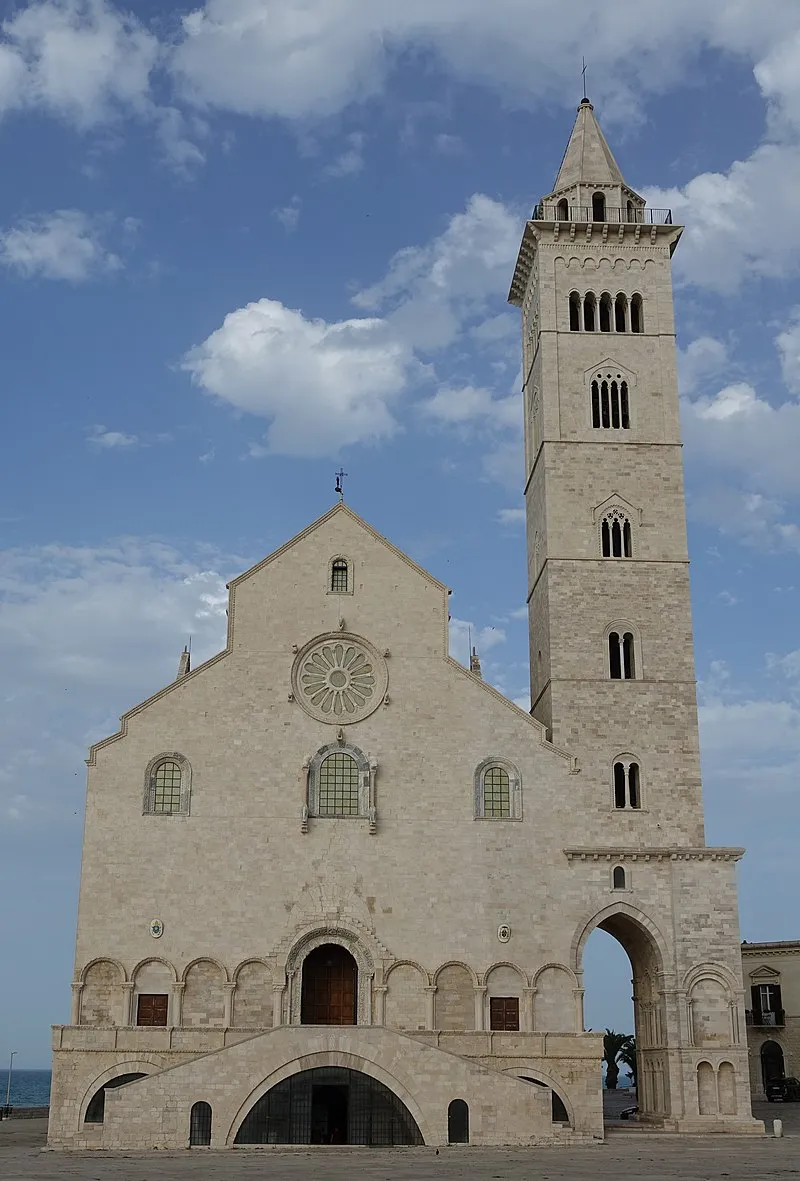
[613,1045]
[627,1056]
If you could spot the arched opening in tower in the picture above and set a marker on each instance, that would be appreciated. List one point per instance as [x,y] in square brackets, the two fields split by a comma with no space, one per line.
[621,966]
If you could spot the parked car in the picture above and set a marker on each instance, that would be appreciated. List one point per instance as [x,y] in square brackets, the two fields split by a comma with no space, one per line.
[787,1090]
[629,1113]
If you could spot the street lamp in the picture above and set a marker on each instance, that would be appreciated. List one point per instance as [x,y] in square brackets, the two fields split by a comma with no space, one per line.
[10,1068]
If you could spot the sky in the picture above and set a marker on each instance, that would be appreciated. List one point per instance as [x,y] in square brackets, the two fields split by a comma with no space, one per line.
[245,244]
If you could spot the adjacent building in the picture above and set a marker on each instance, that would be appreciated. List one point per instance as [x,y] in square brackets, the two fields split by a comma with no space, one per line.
[771,973]
[336,888]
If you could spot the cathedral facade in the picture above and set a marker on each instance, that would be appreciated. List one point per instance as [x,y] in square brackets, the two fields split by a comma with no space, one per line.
[336,888]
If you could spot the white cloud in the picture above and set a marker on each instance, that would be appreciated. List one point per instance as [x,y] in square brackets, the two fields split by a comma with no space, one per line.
[86,633]
[289,215]
[483,639]
[475,404]
[66,244]
[734,401]
[313,58]
[429,293]
[788,345]
[731,217]
[322,385]
[351,160]
[702,359]
[79,59]
[100,437]
[515,517]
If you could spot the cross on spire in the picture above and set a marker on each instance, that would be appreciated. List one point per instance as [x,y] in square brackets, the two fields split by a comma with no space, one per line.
[340,476]
[583,75]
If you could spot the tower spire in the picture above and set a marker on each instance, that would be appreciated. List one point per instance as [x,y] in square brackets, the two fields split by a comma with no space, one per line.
[588,158]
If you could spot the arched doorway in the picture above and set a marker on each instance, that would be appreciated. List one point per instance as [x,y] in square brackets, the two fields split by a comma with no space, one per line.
[329,1105]
[772,1064]
[330,987]
[96,1110]
[640,983]
[458,1122]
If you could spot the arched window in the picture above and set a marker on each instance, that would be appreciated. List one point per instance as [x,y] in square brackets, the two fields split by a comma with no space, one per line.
[497,791]
[167,784]
[589,312]
[598,207]
[627,792]
[605,312]
[621,313]
[621,656]
[574,312]
[200,1124]
[610,402]
[339,782]
[615,536]
[637,317]
[562,210]
[618,878]
[458,1122]
[339,579]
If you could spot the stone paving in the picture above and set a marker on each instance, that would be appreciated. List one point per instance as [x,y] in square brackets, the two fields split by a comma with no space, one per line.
[633,1154]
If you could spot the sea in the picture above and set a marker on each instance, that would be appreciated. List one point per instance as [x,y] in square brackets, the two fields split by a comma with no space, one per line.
[29,1088]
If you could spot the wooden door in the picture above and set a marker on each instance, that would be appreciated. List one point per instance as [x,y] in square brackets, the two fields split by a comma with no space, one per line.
[151,1008]
[329,989]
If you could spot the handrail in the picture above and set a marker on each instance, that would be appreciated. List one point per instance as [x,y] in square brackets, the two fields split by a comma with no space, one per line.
[552,211]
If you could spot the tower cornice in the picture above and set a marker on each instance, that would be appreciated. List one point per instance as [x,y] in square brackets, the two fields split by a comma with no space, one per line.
[628,236]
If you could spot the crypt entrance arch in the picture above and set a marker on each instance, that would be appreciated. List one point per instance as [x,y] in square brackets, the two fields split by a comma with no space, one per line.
[647,952]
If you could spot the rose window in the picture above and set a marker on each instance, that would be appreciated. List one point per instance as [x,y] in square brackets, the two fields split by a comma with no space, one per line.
[339,678]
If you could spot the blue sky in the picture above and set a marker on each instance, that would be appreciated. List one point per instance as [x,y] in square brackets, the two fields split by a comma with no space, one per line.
[245,244]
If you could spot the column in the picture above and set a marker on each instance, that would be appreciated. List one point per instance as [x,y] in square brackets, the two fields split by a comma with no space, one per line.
[277,1004]
[369,980]
[304,793]
[380,991]
[373,810]
[578,994]
[176,1015]
[430,1005]
[526,1016]
[480,991]
[227,1015]
[127,1016]
[75,1009]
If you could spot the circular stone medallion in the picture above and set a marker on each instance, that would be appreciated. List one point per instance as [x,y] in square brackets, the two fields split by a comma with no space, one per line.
[339,678]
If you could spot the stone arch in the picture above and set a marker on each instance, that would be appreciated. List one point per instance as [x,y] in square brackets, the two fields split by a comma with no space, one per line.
[454,1002]
[405,1006]
[153,975]
[353,942]
[710,996]
[144,1065]
[706,1089]
[331,1058]
[649,956]
[252,997]
[514,786]
[726,1088]
[554,999]
[556,1085]
[507,980]
[155,959]
[204,993]
[101,994]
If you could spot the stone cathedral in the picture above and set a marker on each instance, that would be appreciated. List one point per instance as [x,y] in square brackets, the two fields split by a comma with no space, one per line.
[336,888]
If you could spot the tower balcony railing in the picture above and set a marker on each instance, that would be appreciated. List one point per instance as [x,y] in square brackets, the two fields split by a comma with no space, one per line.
[552,211]
[765,1017]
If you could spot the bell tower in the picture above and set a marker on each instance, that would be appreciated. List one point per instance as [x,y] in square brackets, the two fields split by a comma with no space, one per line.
[611,657]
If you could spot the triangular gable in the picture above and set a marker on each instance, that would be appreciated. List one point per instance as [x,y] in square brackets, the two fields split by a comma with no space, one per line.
[610,502]
[337,508]
[764,973]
